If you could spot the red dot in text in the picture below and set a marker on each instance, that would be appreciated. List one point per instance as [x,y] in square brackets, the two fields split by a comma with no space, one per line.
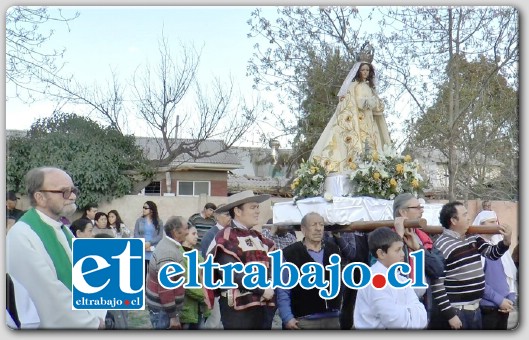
[379,281]
[127,302]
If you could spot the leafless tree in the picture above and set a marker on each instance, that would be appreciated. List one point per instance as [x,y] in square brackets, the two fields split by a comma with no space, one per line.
[218,113]
[157,97]
[27,57]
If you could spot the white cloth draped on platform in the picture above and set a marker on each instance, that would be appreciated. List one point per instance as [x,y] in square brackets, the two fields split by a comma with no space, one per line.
[344,210]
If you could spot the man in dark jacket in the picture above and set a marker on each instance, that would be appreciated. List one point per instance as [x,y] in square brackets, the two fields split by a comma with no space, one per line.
[11,203]
[305,309]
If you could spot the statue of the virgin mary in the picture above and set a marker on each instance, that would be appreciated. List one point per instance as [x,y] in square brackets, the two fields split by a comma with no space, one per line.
[357,121]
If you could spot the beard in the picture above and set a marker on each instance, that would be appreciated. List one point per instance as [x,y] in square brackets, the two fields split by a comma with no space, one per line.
[68,210]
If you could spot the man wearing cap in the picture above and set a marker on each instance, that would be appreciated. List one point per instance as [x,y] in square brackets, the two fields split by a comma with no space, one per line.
[500,280]
[240,308]
[11,211]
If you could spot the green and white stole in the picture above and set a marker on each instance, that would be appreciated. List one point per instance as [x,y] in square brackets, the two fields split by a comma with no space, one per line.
[46,233]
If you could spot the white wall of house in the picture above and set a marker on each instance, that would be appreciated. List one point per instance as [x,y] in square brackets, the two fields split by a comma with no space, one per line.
[130,208]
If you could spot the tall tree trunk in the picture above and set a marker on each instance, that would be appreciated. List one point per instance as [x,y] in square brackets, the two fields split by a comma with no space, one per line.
[451,113]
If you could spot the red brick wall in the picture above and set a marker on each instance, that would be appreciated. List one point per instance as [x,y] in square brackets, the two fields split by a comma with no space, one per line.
[219,188]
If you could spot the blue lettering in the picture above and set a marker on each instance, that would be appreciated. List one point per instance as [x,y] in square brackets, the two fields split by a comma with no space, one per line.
[192,272]
[312,276]
[277,264]
[348,279]
[255,276]
[208,266]
[169,271]
[393,274]
[334,277]
[228,269]
[419,276]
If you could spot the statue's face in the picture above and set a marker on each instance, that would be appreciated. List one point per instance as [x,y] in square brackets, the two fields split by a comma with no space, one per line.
[364,71]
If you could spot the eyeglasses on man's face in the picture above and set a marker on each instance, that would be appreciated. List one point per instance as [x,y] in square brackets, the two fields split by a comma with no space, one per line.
[419,207]
[66,193]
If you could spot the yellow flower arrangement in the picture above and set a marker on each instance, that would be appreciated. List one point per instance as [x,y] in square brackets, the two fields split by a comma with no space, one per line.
[386,174]
[309,180]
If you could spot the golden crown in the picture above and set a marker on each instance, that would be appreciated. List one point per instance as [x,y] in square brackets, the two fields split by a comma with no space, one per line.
[366,53]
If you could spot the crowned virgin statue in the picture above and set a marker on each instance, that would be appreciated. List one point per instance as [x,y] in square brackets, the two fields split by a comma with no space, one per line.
[358,120]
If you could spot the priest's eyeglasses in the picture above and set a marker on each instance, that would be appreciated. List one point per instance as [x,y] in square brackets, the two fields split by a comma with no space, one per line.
[66,193]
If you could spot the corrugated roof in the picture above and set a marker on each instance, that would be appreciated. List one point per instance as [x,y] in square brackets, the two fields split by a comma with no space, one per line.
[264,185]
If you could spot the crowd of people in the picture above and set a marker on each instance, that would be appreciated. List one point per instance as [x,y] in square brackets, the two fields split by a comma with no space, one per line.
[472,278]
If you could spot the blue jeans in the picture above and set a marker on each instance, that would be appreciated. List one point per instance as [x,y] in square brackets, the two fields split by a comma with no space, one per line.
[159,319]
[471,319]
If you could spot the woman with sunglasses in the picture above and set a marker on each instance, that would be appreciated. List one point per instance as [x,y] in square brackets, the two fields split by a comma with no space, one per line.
[149,227]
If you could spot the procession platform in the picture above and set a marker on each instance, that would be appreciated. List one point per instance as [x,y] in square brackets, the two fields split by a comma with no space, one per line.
[345,210]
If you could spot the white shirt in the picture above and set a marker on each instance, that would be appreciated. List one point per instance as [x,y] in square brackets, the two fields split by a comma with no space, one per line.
[26,311]
[28,262]
[388,308]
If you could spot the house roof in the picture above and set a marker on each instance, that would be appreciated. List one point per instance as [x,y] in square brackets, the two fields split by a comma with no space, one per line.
[154,149]
[259,185]
[16,133]
[436,156]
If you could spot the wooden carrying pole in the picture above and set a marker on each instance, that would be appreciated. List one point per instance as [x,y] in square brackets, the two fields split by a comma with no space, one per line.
[366,226]
[372,225]
[473,229]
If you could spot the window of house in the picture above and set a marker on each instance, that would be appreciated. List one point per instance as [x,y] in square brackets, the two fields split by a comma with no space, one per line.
[193,188]
[153,189]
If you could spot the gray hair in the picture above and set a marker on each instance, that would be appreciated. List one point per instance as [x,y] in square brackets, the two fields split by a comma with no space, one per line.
[35,181]
[399,203]
[304,219]
[174,223]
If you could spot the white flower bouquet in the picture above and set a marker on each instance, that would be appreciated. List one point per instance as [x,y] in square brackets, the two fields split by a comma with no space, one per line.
[385,175]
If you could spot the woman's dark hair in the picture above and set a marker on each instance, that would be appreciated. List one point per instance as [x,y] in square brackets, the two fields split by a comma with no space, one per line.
[79,225]
[448,211]
[119,222]
[154,216]
[370,77]
[98,216]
